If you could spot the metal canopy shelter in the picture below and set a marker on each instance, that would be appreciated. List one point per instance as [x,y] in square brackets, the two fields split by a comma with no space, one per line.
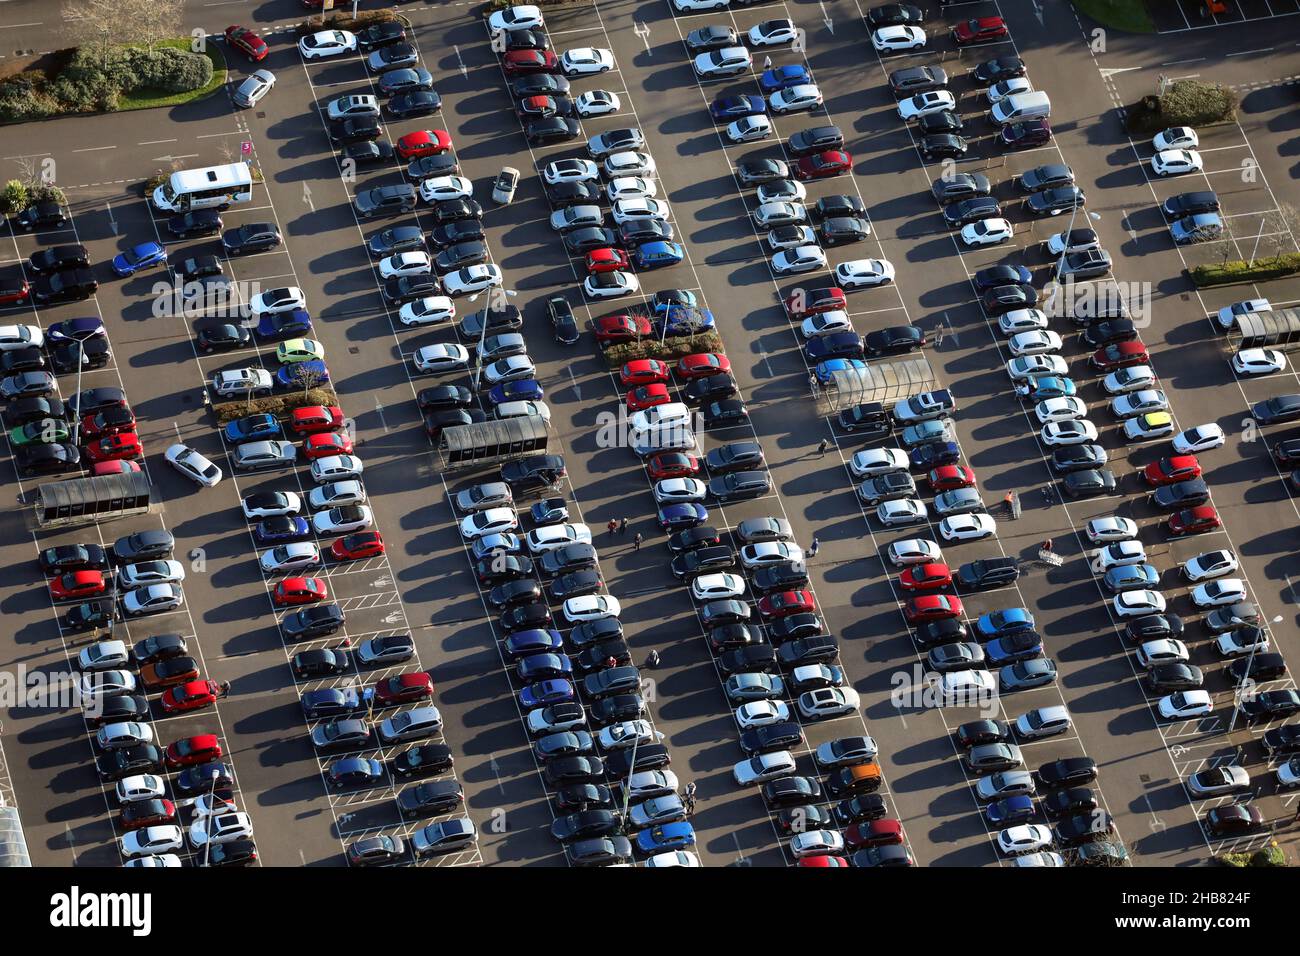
[1277,329]
[483,443]
[82,500]
[877,382]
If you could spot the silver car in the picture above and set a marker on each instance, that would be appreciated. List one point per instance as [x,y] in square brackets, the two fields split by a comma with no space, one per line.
[257,455]
[255,86]
[489,494]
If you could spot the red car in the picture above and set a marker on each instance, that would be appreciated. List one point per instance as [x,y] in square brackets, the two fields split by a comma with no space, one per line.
[1120,355]
[324,444]
[932,607]
[951,477]
[703,363]
[979,30]
[884,832]
[113,468]
[824,862]
[537,107]
[805,302]
[607,260]
[425,142]
[647,396]
[925,577]
[190,751]
[114,447]
[191,696]
[612,329]
[352,547]
[108,422]
[311,419]
[673,464]
[1173,469]
[524,62]
[1026,134]
[299,591]
[77,584]
[643,372]
[242,38]
[823,165]
[147,813]
[786,603]
[1196,520]
[403,689]
[13,289]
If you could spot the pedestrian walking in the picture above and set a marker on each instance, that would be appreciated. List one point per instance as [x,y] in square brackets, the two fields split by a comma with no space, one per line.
[767,63]
[690,790]
[345,643]
[622,526]
[822,446]
[612,526]
[653,658]
[1047,544]
[814,547]
[225,688]
[636,542]
[812,383]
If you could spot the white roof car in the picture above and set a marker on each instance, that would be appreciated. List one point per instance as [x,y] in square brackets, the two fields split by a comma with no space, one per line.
[914,551]
[760,713]
[764,767]
[242,381]
[610,285]
[326,43]
[772,33]
[986,232]
[104,655]
[901,511]
[792,99]
[471,279]
[827,702]
[799,259]
[284,299]
[968,527]
[414,263]
[673,858]
[1220,592]
[1111,528]
[1242,640]
[141,786]
[858,273]
[763,553]
[1175,137]
[629,163]
[781,190]
[1076,431]
[1028,366]
[440,357]
[289,557]
[20,337]
[1185,704]
[153,599]
[151,841]
[1175,162]
[586,61]
[816,843]
[570,171]
[729,61]
[749,129]
[898,38]
[965,688]
[521,17]
[1064,409]
[220,828]
[1022,320]
[150,572]
[124,733]
[627,733]
[1211,564]
[791,237]
[638,207]
[552,536]
[350,492]
[771,214]
[590,607]
[923,104]
[1008,87]
[444,188]
[1027,838]
[1258,362]
[1008,783]
[631,187]
[271,504]
[717,586]
[597,103]
[1075,240]
[491,521]
[192,465]
[336,468]
[1119,554]
[1138,603]
[342,520]
[1034,342]
[1132,378]
[878,461]
[1199,438]
[1228,314]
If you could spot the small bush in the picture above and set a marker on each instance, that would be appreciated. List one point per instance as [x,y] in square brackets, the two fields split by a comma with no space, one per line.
[14,197]
[1185,103]
[670,351]
[23,97]
[344,21]
[1238,271]
[281,406]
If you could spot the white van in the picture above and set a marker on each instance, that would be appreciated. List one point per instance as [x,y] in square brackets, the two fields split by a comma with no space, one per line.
[1021,106]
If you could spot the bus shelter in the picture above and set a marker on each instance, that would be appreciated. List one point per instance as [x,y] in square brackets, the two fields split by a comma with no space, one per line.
[1279,329]
[485,443]
[85,500]
[883,382]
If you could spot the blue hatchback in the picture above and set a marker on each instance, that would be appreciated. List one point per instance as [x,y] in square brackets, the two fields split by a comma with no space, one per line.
[783,77]
[535,640]
[1013,647]
[1131,577]
[684,320]
[728,108]
[656,255]
[1011,810]
[293,376]
[545,692]
[525,390]
[284,325]
[278,530]
[252,428]
[74,330]
[669,836]
[543,667]
[685,514]
[826,370]
[1046,386]
[144,256]
[996,623]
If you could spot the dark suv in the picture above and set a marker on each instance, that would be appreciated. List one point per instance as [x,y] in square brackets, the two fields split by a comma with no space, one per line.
[816,140]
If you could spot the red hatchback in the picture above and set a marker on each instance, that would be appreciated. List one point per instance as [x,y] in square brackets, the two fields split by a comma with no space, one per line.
[13,289]
[299,591]
[884,832]
[606,260]
[647,396]
[525,62]
[951,477]
[1120,355]
[932,607]
[1196,520]
[612,329]
[785,603]
[805,302]
[191,696]
[403,689]
[1169,470]
[979,30]
[115,447]
[702,364]
[311,419]
[324,444]
[77,584]
[673,464]
[242,38]
[108,422]
[824,862]
[147,813]
[823,165]
[189,751]
[424,142]
[353,547]
[643,372]
[925,577]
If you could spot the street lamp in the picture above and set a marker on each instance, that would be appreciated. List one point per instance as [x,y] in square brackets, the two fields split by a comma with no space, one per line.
[1060,263]
[493,293]
[80,339]
[207,819]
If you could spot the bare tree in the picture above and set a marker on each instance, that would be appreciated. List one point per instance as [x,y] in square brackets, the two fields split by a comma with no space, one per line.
[158,20]
[101,24]
[1284,224]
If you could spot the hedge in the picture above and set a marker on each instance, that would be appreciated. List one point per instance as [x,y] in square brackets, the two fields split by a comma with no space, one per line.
[1185,103]
[491,6]
[670,350]
[344,21]
[1270,855]
[281,406]
[1228,273]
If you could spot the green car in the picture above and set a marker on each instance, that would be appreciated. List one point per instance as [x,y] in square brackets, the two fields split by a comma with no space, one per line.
[47,431]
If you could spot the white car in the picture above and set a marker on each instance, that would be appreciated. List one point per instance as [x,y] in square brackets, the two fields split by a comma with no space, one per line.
[106,683]
[192,465]
[570,171]
[690,6]
[797,236]
[967,527]
[963,688]
[986,232]
[1258,362]
[718,586]
[1064,409]
[1241,641]
[673,858]
[1010,87]
[1185,704]
[152,841]
[631,187]
[103,656]
[406,264]
[1076,240]
[491,521]
[242,381]
[761,713]
[552,536]
[1218,780]
[586,61]
[444,188]
[639,207]
[1200,438]
[772,33]
[901,511]
[799,259]
[729,61]
[597,103]
[1030,366]
[442,357]
[154,599]
[610,285]
[471,279]
[289,557]
[923,104]
[523,17]
[326,43]
[1162,651]
[749,129]
[771,214]
[1176,137]
[661,416]
[795,99]
[354,104]
[1027,838]
[878,461]
[1220,592]
[337,494]
[604,144]
[342,520]
[1108,529]
[220,828]
[914,551]
[825,323]
[1175,162]
[898,38]
[827,702]
[1034,342]
[1022,320]
[1211,564]
[1134,378]
[816,843]
[863,273]
[512,368]
[141,786]
[763,553]
[20,337]
[1076,431]
[1119,554]
[336,468]
[671,490]
[1137,403]
[590,607]
[284,299]
[628,733]
[431,310]
[1043,858]
[1138,603]
[1228,314]
[764,767]
[629,163]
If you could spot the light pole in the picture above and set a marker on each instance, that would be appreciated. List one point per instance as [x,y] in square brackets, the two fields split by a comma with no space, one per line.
[207,819]
[1065,248]
[493,293]
[80,339]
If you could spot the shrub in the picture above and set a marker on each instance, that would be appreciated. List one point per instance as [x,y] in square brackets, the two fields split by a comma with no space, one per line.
[281,406]
[14,197]
[1184,103]
[23,98]
[344,21]
[1238,271]
[669,351]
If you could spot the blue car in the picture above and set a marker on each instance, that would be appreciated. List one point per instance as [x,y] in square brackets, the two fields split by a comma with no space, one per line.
[684,320]
[996,623]
[292,376]
[656,255]
[534,641]
[686,514]
[1016,646]
[543,667]
[933,454]
[669,836]
[833,346]
[279,530]
[284,325]
[74,330]
[144,256]
[668,298]
[331,702]
[727,108]
[1009,811]
[783,77]
[1046,386]
[252,428]
[826,370]
[1131,577]
[525,390]
[355,771]
[544,693]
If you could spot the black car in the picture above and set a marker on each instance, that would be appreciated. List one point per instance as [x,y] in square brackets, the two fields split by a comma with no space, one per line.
[199,267]
[127,761]
[1153,627]
[563,322]
[201,222]
[576,583]
[586,825]
[755,172]
[1077,458]
[120,707]
[637,231]
[1083,828]
[321,662]
[46,459]
[567,559]
[369,153]
[786,576]
[1270,705]
[1066,772]
[73,557]
[948,631]
[431,798]
[791,792]
[159,647]
[818,649]
[740,486]
[380,35]
[647,757]
[1087,484]
[71,356]
[795,627]
[563,195]
[251,237]
[839,230]
[583,796]
[1005,298]
[729,411]
[770,737]
[894,14]
[1050,176]
[426,760]
[68,285]
[750,659]
[453,210]
[143,546]
[607,654]
[816,139]
[893,340]
[860,809]
[223,337]
[735,456]
[26,410]
[1054,201]
[22,360]
[582,241]
[460,255]
[689,564]
[403,81]
[92,614]
[232,853]
[1279,408]
[986,731]
[204,778]
[1257,667]
[994,276]
[533,473]
[55,258]
[1166,678]
[430,167]
[917,79]
[400,290]
[539,84]
[693,539]
[971,210]
[525,40]
[506,567]
[312,622]
[526,617]
[708,388]
[413,103]
[961,186]
[1100,334]
[555,129]
[934,124]
[610,710]
[47,212]
[444,396]
[355,129]
[1182,494]
[518,591]
[1000,68]
[839,206]
[1070,801]
[943,146]
[987,573]
[724,637]
[1190,204]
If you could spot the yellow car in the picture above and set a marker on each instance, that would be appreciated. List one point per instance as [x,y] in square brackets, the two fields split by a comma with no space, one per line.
[299,350]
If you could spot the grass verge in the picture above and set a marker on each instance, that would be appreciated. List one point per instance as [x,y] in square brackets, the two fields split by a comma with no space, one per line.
[1128,15]
[1238,271]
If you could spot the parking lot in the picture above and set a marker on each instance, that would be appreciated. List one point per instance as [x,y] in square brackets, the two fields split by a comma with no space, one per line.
[424,582]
